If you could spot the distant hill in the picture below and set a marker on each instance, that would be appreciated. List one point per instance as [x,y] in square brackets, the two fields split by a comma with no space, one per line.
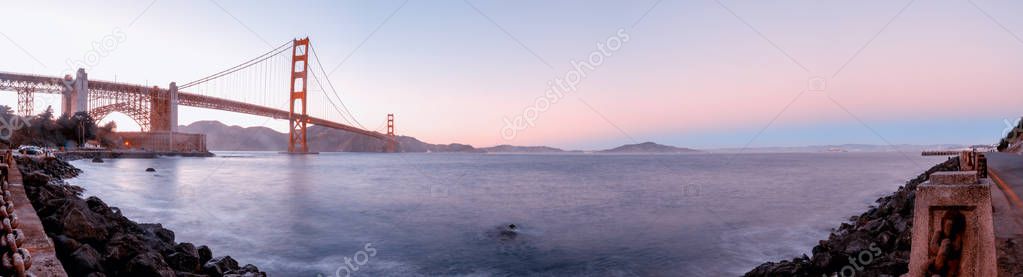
[520,149]
[221,137]
[648,148]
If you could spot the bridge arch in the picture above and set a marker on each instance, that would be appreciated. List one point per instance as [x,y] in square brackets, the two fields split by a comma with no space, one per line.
[140,117]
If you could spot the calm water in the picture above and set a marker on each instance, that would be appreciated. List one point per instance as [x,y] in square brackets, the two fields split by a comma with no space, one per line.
[439,214]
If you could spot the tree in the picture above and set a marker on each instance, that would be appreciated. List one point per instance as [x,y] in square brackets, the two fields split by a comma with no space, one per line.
[6,112]
[66,130]
[6,130]
[107,135]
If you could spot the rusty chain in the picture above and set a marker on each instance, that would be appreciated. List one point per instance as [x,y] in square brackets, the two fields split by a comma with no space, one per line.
[946,245]
[14,259]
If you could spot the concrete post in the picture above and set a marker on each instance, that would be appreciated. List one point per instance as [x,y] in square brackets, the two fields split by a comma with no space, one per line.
[953,232]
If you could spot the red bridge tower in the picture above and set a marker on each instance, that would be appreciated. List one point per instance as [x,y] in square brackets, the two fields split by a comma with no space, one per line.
[297,120]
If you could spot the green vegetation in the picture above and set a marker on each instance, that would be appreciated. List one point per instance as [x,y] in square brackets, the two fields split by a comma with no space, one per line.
[65,131]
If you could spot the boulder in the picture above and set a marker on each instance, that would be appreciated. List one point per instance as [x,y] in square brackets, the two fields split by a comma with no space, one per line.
[81,223]
[887,226]
[205,254]
[36,177]
[65,244]
[85,260]
[123,247]
[147,264]
[156,229]
[220,265]
[94,239]
[185,258]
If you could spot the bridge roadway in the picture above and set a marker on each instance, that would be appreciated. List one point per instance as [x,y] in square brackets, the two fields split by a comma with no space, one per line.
[105,89]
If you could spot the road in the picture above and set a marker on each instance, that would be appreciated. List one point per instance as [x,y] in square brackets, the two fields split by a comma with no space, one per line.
[1007,171]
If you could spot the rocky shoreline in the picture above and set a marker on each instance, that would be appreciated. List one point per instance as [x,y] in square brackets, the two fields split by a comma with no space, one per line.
[875,243]
[94,239]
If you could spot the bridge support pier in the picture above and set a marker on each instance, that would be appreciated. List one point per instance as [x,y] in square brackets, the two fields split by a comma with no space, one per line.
[26,102]
[76,93]
[163,109]
[173,90]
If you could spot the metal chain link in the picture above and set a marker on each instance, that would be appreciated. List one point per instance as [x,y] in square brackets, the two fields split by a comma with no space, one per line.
[14,260]
[946,245]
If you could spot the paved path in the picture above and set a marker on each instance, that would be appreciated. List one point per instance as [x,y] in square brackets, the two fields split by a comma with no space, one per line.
[44,256]
[1007,171]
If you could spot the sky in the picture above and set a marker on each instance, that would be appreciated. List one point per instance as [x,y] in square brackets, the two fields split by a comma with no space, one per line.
[703,74]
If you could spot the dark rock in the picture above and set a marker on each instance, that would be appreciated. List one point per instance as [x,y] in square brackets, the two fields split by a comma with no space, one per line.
[250,268]
[147,264]
[94,239]
[212,270]
[97,206]
[65,244]
[887,226]
[123,247]
[188,248]
[55,168]
[205,254]
[81,223]
[246,271]
[157,229]
[85,260]
[97,160]
[227,266]
[225,263]
[185,258]
[150,169]
[36,177]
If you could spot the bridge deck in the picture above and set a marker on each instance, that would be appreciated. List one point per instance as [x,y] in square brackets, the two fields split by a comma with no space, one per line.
[49,84]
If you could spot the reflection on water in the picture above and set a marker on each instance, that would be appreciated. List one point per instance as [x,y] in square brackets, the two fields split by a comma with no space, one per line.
[445,214]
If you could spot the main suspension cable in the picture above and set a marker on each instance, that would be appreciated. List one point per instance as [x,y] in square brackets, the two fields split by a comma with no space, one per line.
[246,64]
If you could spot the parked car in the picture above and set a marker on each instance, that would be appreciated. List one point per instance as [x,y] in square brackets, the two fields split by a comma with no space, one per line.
[31,150]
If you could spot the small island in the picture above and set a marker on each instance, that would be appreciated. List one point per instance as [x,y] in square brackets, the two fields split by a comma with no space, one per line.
[648,148]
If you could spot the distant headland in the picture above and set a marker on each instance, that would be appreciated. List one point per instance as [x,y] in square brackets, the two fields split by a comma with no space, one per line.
[221,137]
[236,138]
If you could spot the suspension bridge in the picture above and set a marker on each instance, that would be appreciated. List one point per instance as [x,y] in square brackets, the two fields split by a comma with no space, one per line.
[255,87]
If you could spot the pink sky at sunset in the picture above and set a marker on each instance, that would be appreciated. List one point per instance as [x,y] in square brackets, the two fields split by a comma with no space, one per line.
[452,75]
